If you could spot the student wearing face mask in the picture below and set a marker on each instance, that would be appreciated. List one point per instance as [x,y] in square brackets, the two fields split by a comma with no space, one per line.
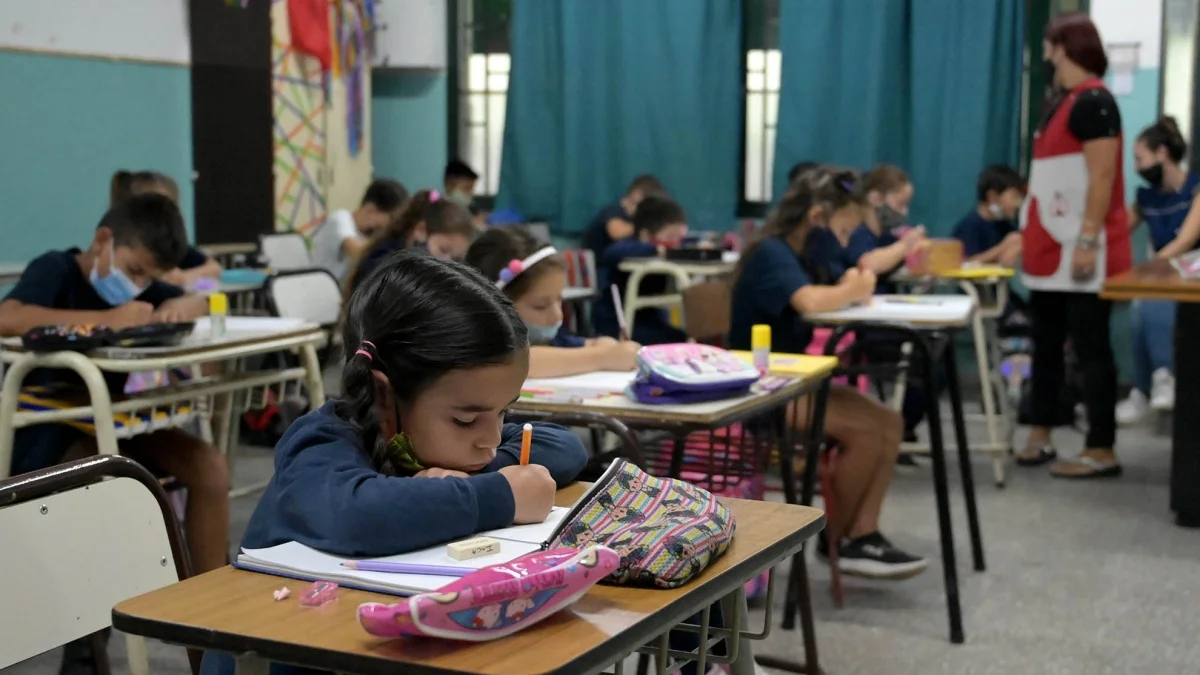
[889,191]
[1167,204]
[533,276]
[989,232]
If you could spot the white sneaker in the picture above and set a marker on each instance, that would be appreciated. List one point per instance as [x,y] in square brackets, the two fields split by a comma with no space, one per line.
[1134,409]
[1162,392]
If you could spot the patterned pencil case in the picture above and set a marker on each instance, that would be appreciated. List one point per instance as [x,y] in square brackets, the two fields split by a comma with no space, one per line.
[665,530]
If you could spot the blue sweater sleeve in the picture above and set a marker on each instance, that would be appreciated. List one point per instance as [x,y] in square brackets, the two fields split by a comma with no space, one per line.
[329,496]
[554,447]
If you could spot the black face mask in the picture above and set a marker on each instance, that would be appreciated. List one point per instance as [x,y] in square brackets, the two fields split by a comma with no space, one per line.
[1048,71]
[889,218]
[1152,175]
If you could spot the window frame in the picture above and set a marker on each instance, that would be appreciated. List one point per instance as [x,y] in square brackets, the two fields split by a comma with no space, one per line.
[747,208]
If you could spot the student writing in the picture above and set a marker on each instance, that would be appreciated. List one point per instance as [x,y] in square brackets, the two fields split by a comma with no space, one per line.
[343,237]
[878,244]
[659,223]
[536,288]
[773,287]
[614,222]
[195,264]
[428,221]
[989,232]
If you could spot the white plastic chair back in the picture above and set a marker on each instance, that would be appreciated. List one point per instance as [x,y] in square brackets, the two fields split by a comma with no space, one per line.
[539,230]
[285,251]
[69,556]
[313,295]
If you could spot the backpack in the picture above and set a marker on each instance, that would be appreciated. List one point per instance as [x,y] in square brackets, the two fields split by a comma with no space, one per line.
[689,373]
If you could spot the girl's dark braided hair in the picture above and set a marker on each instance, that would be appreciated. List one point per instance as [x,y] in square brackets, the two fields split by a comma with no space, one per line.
[417,318]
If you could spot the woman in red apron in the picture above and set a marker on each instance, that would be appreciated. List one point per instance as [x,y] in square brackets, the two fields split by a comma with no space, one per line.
[1075,234]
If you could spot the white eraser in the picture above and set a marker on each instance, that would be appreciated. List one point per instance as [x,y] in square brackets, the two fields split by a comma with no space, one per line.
[473,548]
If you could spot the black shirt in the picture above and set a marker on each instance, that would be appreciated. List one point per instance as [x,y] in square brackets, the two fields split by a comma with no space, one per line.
[595,235]
[54,280]
[1094,116]
[192,259]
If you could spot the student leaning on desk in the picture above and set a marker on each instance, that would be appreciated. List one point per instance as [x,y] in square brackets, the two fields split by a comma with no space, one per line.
[115,282]
[533,276]
[417,452]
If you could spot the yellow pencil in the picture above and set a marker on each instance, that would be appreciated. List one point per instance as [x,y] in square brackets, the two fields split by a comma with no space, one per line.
[526,441]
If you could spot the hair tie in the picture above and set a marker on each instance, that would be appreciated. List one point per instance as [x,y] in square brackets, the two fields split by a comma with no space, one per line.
[514,268]
[434,195]
[364,352]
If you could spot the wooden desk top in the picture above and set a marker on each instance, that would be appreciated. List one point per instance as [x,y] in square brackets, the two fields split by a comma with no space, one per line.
[710,413]
[1154,280]
[232,611]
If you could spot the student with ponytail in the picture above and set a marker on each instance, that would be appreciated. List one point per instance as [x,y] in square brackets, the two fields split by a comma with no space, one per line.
[429,221]
[1167,204]
[774,285]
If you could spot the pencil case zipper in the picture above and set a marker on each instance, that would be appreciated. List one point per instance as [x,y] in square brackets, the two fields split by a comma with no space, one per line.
[597,489]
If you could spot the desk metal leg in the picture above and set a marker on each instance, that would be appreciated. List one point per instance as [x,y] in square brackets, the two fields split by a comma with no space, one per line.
[964,453]
[937,452]
[1185,441]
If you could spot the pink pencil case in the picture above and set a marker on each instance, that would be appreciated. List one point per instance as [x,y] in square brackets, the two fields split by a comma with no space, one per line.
[495,601]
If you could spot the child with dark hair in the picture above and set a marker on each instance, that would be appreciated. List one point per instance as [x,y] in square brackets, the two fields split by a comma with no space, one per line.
[799,168]
[195,264]
[344,235]
[416,453]
[535,284]
[428,221]
[659,223]
[458,182]
[878,243]
[1169,204]
[989,233]
[115,282]
[615,221]
[773,286]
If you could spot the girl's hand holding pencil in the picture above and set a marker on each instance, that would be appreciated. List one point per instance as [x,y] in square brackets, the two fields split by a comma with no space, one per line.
[533,492]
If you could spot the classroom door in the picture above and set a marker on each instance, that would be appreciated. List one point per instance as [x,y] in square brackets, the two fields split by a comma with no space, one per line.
[299,117]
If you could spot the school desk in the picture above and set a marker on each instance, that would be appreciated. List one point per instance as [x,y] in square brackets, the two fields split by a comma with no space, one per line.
[162,407]
[988,285]
[232,611]
[684,273]
[227,254]
[1158,280]
[929,324]
[810,376]
[10,272]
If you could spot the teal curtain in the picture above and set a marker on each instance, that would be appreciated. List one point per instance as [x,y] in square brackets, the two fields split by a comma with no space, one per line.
[933,86]
[601,92]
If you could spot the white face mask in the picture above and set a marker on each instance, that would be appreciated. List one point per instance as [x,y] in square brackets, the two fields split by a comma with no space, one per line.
[117,288]
[994,209]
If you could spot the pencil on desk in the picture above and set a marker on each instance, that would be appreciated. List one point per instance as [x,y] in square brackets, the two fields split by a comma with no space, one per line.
[620,307]
[526,441]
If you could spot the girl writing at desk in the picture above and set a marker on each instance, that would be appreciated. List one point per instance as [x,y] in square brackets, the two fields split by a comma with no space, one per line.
[416,452]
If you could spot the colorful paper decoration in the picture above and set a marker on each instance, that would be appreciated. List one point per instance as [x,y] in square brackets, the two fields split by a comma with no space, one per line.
[308,21]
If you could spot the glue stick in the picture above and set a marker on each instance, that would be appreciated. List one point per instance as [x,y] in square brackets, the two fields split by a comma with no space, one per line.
[218,307]
[760,346]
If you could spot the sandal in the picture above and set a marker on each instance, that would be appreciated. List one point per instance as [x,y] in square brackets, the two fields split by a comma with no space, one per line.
[1095,469]
[1045,453]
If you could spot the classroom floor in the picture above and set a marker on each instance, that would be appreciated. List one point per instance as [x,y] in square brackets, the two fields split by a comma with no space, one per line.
[1084,577]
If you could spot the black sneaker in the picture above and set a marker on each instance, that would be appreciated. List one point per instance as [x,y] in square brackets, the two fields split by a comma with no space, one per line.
[873,556]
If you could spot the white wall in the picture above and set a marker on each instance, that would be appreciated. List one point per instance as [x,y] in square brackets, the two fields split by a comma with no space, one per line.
[139,30]
[1123,21]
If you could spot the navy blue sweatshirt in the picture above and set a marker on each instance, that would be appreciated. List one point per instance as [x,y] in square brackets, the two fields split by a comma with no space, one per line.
[326,494]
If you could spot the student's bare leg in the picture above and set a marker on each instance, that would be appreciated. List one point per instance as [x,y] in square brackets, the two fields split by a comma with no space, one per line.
[865,429]
[202,469]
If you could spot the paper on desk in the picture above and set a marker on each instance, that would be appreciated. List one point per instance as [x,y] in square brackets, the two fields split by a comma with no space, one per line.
[248,324]
[950,310]
[584,386]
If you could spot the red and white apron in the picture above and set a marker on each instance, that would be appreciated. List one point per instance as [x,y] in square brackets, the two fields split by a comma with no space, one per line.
[1052,215]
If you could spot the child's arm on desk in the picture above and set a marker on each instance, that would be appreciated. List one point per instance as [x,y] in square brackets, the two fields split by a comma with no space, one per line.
[31,302]
[331,494]
[550,361]
[628,248]
[554,447]
[887,258]
[855,286]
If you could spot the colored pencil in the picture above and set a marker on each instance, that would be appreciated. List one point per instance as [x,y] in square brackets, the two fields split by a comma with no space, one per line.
[407,568]
[526,441]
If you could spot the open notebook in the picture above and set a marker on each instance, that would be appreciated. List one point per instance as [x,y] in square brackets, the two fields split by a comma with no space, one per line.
[297,561]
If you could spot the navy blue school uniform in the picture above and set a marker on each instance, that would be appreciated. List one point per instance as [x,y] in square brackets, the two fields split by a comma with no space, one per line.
[762,294]
[1164,212]
[980,235]
[375,255]
[565,339]
[192,259]
[651,325]
[54,280]
[825,256]
[595,236]
[326,494]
